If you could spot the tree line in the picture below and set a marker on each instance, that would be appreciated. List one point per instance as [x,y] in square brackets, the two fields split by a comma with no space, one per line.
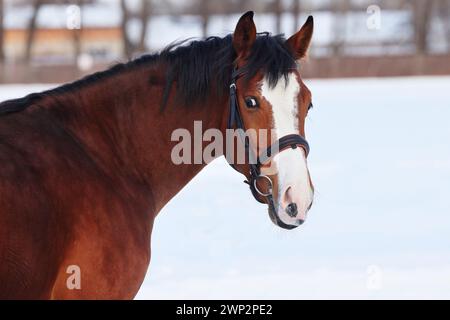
[141,11]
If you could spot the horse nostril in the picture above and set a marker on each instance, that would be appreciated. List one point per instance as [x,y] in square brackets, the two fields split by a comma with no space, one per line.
[291,210]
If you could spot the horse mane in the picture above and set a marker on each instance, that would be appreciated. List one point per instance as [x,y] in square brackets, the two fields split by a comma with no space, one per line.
[192,65]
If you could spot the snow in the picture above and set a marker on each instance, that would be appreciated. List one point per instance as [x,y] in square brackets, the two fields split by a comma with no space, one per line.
[380,225]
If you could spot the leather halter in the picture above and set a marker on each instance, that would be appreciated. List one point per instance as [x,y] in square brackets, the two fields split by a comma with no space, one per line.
[289,141]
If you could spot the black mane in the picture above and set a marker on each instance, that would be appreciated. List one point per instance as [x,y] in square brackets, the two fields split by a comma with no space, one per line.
[199,63]
[193,66]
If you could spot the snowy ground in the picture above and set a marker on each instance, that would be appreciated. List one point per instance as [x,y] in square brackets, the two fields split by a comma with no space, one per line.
[380,226]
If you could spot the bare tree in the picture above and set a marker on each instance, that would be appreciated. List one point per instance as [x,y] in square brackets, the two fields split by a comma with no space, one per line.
[444,11]
[130,47]
[278,10]
[77,33]
[421,23]
[127,45]
[146,11]
[296,11]
[204,13]
[31,29]
[2,33]
[341,8]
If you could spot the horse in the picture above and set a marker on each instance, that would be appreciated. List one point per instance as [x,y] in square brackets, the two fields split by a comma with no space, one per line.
[86,167]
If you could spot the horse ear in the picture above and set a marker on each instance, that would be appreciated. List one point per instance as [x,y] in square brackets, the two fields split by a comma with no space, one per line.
[299,42]
[244,35]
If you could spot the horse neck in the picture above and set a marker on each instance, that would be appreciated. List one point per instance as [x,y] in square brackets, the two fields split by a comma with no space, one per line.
[121,124]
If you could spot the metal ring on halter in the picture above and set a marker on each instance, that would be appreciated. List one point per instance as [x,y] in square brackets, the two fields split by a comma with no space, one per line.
[259,191]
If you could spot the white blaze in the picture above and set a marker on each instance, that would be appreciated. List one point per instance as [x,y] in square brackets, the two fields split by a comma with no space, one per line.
[291,163]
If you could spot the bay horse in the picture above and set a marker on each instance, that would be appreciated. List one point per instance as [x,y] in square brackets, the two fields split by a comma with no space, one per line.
[86,167]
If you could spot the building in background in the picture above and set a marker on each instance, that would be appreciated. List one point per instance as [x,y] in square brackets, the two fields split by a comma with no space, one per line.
[62,32]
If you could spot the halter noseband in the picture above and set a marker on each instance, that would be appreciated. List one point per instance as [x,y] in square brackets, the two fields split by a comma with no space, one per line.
[289,141]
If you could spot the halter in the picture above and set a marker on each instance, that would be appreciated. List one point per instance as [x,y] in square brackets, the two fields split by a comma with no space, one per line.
[289,141]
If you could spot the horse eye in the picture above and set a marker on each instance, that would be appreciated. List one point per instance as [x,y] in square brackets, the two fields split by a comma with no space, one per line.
[251,102]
